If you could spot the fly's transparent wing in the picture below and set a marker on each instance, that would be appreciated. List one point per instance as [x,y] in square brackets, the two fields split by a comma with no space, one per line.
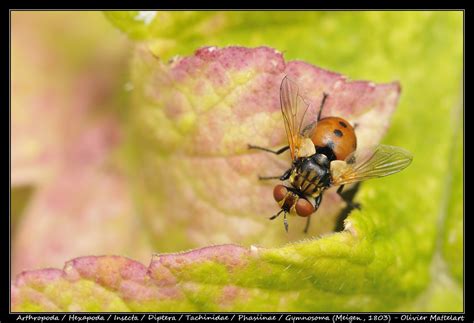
[293,108]
[373,162]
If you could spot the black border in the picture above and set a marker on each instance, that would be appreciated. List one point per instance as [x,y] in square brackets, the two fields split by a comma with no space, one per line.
[7,316]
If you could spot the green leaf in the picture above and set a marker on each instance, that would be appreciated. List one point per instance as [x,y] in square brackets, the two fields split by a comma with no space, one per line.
[137,24]
[452,236]
[399,215]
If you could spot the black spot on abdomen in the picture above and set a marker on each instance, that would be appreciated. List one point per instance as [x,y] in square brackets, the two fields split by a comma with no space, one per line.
[338,132]
[343,124]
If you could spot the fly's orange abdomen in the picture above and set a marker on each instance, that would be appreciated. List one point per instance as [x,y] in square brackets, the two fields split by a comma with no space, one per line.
[337,134]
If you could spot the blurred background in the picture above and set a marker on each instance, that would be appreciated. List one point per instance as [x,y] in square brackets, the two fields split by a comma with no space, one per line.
[73,190]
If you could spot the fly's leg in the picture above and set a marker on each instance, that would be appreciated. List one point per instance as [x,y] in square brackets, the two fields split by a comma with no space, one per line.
[283,177]
[276,152]
[286,174]
[349,195]
[285,221]
[348,201]
[325,96]
[317,202]
[264,178]
[308,221]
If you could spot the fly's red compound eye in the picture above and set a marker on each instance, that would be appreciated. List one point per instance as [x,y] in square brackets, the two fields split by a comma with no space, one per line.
[279,192]
[304,208]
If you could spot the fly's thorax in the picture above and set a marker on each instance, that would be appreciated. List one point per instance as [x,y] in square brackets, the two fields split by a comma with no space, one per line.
[311,175]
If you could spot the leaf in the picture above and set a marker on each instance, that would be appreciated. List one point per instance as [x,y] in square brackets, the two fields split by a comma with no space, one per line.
[137,24]
[396,245]
[452,230]
[112,283]
[198,115]
[219,278]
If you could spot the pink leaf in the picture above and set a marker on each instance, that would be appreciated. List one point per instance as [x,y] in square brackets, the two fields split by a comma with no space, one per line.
[197,114]
[116,283]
